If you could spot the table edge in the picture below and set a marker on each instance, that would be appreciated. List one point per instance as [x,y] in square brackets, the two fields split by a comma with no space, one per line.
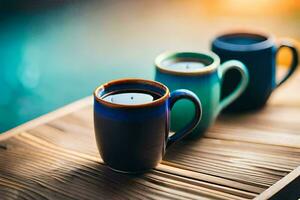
[279,185]
[69,108]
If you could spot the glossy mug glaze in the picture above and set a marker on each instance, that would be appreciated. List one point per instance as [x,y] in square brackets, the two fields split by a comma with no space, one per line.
[258,52]
[132,136]
[180,70]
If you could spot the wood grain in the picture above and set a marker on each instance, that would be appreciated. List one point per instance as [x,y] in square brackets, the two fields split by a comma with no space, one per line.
[240,157]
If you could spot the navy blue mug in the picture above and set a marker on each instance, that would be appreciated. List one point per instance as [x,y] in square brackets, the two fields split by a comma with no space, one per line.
[258,52]
[132,122]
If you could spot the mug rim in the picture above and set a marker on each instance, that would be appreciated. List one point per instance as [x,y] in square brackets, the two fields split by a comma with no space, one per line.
[158,101]
[169,54]
[266,43]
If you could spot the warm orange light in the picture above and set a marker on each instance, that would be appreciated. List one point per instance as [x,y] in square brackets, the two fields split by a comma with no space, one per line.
[253,7]
[284,57]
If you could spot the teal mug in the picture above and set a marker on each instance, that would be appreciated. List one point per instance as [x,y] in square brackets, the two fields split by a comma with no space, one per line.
[202,74]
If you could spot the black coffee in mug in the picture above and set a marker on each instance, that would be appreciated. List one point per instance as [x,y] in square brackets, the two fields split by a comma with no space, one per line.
[183,64]
[131,97]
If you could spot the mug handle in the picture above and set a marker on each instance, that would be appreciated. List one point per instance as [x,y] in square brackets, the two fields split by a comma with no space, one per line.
[233,64]
[294,63]
[185,94]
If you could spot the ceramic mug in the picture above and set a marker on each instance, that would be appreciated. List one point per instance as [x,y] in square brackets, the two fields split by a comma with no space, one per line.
[258,52]
[202,74]
[132,120]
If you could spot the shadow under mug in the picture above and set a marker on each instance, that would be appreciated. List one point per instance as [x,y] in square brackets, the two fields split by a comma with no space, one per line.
[258,52]
[202,74]
[132,135]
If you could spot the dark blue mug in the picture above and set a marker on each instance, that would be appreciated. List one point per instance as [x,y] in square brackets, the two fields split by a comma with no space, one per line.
[258,52]
[132,122]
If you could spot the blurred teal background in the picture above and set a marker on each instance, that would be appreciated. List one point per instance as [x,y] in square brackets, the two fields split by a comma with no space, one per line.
[55,52]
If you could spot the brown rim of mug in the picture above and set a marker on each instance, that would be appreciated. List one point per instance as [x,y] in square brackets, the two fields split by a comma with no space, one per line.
[207,69]
[268,42]
[132,80]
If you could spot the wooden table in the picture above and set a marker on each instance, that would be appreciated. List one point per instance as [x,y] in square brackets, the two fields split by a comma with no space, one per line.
[240,157]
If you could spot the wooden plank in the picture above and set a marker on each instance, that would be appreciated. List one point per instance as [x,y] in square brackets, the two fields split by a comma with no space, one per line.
[46,168]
